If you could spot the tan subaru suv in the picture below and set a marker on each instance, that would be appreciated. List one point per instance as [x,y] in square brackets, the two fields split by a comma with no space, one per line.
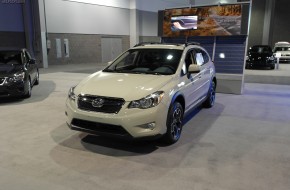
[144,93]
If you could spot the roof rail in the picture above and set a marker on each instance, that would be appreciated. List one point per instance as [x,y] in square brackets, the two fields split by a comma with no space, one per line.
[177,44]
[191,43]
[146,43]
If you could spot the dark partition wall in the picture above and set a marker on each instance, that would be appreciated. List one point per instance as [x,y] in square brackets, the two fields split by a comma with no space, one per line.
[281,27]
[11,25]
[228,52]
[206,42]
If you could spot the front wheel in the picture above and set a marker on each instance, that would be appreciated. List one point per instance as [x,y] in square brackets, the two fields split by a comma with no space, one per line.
[174,123]
[29,88]
[37,78]
[209,102]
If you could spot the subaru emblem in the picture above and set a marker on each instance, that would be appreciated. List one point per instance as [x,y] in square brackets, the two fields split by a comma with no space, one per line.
[98,102]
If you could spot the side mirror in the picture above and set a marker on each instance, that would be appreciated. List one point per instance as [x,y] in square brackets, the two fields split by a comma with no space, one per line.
[193,69]
[32,61]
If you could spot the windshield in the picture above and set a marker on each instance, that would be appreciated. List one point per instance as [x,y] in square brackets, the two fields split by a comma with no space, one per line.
[281,49]
[147,61]
[260,49]
[10,57]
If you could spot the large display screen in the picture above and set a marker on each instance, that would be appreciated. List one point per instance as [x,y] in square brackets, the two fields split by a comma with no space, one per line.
[183,23]
[223,20]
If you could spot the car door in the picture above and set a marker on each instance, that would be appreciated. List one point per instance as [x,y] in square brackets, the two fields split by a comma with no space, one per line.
[192,82]
[202,59]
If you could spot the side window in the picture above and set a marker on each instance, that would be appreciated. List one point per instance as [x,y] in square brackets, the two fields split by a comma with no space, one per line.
[189,59]
[201,57]
[205,56]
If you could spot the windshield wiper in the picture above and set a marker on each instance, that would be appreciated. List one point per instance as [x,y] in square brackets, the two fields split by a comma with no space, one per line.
[115,71]
[108,70]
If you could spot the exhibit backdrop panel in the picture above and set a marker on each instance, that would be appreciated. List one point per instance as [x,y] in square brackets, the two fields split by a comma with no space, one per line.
[221,29]
[218,20]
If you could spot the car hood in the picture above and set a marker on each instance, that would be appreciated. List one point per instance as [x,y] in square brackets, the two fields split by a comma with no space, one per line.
[120,85]
[8,69]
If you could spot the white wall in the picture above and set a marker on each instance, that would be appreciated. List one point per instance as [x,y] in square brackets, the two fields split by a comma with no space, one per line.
[82,18]
[155,5]
[110,3]
[148,23]
[145,5]
[111,17]
[213,2]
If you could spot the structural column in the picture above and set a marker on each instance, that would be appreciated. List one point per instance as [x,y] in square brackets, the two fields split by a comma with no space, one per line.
[134,23]
[268,21]
[26,7]
[43,32]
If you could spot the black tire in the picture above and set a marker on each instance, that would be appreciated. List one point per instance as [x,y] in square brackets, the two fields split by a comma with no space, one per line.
[174,123]
[29,88]
[210,100]
[37,79]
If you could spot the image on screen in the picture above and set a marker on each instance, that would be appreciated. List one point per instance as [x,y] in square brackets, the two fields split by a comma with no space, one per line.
[183,23]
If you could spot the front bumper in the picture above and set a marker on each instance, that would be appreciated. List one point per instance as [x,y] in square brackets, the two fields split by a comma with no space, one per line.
[260,64]
[284,59]
[127,123]
[12,89]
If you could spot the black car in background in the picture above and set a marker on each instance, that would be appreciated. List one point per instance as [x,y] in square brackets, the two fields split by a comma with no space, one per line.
[18,73]
[260,56]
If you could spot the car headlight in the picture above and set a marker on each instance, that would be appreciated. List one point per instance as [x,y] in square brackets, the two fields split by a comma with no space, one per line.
[149,101]
[17,77]
[271,58]
[71,94]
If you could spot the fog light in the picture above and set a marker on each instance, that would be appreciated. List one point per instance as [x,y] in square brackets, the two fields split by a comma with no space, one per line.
[150,126]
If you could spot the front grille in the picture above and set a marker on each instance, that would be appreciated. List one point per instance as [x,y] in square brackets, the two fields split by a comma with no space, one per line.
[2,80]
[108,105]
[95,127]
[260,62]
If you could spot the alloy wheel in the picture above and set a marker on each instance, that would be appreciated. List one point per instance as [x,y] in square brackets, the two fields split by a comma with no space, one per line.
[212,94]
[176,123]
